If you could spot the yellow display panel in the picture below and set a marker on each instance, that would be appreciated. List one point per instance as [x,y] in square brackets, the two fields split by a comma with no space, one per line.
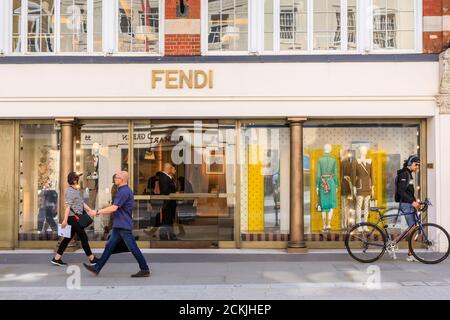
[255,190]
[379,159]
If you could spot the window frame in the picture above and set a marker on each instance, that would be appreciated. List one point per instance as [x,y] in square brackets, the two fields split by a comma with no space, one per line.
[205,31]
[56,32]
[109,31]
[113,33]
[364,31]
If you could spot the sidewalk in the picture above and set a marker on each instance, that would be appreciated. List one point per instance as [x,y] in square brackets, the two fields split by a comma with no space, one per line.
[222,274]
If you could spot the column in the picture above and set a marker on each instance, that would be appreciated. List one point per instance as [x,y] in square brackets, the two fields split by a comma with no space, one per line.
[440,175]
[66,158]
[297,234]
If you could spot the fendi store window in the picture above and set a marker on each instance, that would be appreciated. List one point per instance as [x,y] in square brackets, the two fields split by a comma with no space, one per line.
[38,181]
[351,167]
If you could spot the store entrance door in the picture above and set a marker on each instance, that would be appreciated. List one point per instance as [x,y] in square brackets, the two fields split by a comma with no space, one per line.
[184,180]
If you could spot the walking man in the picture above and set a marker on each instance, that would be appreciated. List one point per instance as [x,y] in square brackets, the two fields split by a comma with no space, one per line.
[122,227]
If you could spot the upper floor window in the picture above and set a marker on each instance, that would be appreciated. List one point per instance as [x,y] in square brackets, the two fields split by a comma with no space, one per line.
[49,26]
[227,25]
[393,24]
[81,26]
[138,26]
[311,26]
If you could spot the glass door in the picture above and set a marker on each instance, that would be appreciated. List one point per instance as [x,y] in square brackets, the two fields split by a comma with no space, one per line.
[184,182]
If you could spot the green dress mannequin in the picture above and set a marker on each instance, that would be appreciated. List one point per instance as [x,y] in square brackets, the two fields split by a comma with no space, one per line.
[327,182]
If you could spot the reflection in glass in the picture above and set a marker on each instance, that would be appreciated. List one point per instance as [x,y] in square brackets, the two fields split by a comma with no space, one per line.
[202,153]
[98,9]
[393,24]
[39,181]
[227,25]
[339,195]
[101,150]
[73,25]
[41,26]
[327,25]
[265,181]
[138,25]
[16,25]
[293,25]
[352,17]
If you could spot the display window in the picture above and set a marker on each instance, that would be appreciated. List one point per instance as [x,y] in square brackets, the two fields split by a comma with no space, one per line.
[38,181]
[351,168]
[264,181]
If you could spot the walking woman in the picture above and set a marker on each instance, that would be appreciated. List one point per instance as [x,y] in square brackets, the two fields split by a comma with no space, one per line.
[74,208]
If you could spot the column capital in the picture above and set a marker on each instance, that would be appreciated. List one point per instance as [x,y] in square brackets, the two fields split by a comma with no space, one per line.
[65,121]
[296,120]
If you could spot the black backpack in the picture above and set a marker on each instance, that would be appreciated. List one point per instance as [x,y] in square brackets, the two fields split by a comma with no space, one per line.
[397,195]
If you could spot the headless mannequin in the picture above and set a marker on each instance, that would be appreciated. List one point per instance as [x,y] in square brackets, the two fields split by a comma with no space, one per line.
[363,197]
[346,190]
[327,215]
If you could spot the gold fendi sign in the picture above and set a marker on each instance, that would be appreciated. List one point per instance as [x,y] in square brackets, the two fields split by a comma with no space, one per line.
[180,79]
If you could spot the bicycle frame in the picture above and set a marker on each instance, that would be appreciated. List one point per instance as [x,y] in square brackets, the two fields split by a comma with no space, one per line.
[400,212]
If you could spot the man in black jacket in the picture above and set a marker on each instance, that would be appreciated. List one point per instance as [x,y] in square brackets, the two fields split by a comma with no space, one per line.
[167,186]
[405,192]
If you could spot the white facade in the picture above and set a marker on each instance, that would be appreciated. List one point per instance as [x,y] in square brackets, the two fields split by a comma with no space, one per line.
[370,90]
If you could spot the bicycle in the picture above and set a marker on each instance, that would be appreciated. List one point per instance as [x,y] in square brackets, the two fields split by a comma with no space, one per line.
[428,242]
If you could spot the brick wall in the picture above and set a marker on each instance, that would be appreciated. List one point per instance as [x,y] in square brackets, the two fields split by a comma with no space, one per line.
[436,25]
[182,34]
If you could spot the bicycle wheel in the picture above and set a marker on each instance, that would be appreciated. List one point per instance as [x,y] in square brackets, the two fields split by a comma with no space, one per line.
[365,242]
[430,246]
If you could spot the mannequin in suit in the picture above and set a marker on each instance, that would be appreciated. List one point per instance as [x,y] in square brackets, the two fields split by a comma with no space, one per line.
[327,186]
[167,186]
[363,188]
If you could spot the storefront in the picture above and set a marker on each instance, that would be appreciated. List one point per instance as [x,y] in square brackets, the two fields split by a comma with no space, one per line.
[268,155]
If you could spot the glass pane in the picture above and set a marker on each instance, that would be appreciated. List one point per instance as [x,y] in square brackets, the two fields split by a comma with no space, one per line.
[138,26]
[293,21]
[394,24]
[352,17]
[16,25]
[265,181]
[41,25]
[350,167]
[197,201]
[98,47]
[73,26]
[327,25]
[39,182]
[228,25]
[101,150]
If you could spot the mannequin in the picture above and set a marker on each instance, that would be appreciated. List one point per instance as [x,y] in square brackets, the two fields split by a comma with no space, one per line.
[92,163]
[362,185]
[347,195]
[327,186]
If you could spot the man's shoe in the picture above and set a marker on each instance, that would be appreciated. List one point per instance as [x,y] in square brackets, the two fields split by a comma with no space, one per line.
[58,262]
[141,274]
[91,269]
[94,261]
[410,258]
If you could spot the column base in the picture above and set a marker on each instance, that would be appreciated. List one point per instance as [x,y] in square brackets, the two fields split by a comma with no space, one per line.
[297,250]
[297,247]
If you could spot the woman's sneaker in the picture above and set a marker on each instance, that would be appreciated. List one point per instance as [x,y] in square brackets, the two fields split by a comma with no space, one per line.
[58,262]
[410,258]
